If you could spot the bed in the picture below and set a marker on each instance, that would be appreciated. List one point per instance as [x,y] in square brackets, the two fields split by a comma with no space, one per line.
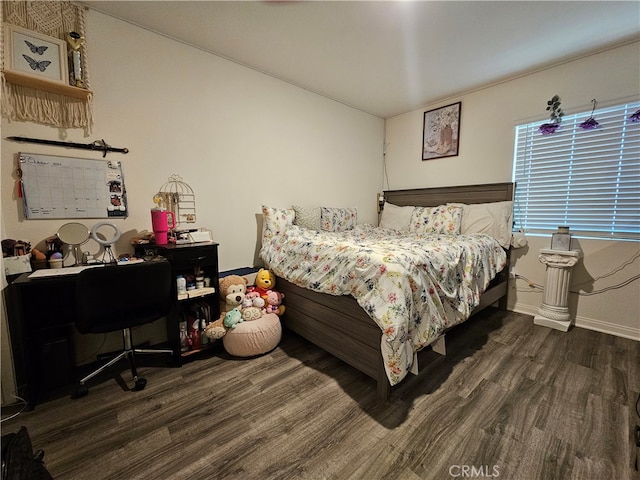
[339,324]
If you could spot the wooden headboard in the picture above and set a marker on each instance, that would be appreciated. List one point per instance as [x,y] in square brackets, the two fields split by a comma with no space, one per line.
[432,197]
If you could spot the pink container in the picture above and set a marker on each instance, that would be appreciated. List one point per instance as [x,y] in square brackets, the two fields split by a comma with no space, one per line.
[161,224]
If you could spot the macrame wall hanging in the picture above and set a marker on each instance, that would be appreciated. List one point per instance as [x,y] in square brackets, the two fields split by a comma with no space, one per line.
[28,104]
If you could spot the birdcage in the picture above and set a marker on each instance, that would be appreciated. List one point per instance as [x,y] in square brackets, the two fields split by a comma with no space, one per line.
[177,196]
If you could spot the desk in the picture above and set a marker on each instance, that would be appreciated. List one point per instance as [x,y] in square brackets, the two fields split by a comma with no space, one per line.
[41,317]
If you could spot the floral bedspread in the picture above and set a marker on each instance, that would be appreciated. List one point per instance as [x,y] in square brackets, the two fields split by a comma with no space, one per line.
[414,287]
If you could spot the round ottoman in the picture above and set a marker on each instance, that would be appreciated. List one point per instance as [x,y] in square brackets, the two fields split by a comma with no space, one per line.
[253,337]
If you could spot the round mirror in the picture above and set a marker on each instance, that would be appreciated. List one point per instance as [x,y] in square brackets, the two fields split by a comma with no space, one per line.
[74,234]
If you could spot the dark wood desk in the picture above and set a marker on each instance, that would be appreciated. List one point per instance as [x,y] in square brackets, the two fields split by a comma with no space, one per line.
[41,317]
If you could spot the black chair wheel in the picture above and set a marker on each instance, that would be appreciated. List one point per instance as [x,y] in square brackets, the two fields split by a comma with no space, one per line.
[80,391]
[140,384]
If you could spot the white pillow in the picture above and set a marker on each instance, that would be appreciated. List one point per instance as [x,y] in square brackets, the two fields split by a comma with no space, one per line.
[395,217]
[494,218]
[307,217]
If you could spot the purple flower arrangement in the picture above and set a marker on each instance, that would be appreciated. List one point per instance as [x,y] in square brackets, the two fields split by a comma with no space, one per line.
[548,128]
[555,116]
[590,123]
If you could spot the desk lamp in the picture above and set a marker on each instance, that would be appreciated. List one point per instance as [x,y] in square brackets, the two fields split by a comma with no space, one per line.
[106,242]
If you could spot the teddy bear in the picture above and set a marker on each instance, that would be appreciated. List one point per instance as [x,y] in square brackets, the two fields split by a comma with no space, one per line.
[265,280]
[232,291]
[274,302]
[232,294]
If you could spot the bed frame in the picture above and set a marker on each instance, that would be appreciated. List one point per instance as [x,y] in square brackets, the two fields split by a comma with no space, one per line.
[338,325]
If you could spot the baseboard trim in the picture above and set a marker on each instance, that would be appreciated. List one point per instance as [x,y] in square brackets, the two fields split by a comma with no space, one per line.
[607,327]
[589,324]
[525,309]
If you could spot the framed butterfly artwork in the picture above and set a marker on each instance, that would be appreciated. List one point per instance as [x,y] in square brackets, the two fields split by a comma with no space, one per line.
[36,55]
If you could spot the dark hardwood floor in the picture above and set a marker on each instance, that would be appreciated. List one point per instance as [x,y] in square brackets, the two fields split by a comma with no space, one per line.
[511,400]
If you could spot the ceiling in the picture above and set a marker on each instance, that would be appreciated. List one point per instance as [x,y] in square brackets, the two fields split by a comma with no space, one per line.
[387,58]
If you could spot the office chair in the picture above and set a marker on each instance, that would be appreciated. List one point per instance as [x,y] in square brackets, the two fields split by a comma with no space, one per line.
[119,297]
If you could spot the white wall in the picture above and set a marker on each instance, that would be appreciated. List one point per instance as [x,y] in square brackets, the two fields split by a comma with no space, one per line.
[238,137]
[488,117]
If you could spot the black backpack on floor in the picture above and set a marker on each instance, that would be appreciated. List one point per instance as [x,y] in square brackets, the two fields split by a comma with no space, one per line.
[19,462]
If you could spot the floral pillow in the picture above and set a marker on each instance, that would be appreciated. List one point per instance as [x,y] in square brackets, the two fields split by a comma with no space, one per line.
[444,219]
[275,220]
[338,219]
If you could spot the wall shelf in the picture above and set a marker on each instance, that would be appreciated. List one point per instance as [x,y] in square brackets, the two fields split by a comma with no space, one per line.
[46,85]
[198,292]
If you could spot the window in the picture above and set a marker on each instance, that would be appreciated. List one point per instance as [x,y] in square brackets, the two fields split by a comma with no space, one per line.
[588,180]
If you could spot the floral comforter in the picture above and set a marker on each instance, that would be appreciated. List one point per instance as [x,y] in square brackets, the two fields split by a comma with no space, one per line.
[414,287]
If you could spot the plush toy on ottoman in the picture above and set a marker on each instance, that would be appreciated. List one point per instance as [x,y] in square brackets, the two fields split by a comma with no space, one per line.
[232,293]
[254,337]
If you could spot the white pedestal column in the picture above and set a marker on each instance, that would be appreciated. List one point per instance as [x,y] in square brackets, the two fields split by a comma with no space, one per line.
[554,312]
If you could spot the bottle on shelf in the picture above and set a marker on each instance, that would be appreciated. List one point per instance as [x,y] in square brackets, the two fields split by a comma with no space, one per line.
[184,337]
[194,334]
[181,283]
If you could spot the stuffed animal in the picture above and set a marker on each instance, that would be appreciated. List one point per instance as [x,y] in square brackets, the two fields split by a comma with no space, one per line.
[252,293]
[232,318]
[253,306]
[259,302]
[265,280]
[215,330]
[232,291]
[274,302]
[232,294]
[251,313]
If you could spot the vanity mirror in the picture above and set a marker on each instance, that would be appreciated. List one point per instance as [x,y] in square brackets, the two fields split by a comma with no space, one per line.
[74,234]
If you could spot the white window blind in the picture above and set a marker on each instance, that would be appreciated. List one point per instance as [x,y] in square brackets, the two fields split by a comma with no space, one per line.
[588,180]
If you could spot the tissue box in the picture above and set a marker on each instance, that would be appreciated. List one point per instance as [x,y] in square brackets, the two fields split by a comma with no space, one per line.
[16,265]
[200,236]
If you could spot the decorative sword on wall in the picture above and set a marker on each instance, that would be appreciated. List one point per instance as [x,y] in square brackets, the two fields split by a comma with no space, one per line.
[99,145]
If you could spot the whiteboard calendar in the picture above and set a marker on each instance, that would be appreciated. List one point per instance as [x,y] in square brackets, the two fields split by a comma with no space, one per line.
[64,187]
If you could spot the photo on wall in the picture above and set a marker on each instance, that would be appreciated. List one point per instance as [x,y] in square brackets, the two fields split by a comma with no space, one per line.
[441,132]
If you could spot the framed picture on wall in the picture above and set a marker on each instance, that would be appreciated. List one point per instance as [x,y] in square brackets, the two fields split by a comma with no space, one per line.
[441,132]
[35,55]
